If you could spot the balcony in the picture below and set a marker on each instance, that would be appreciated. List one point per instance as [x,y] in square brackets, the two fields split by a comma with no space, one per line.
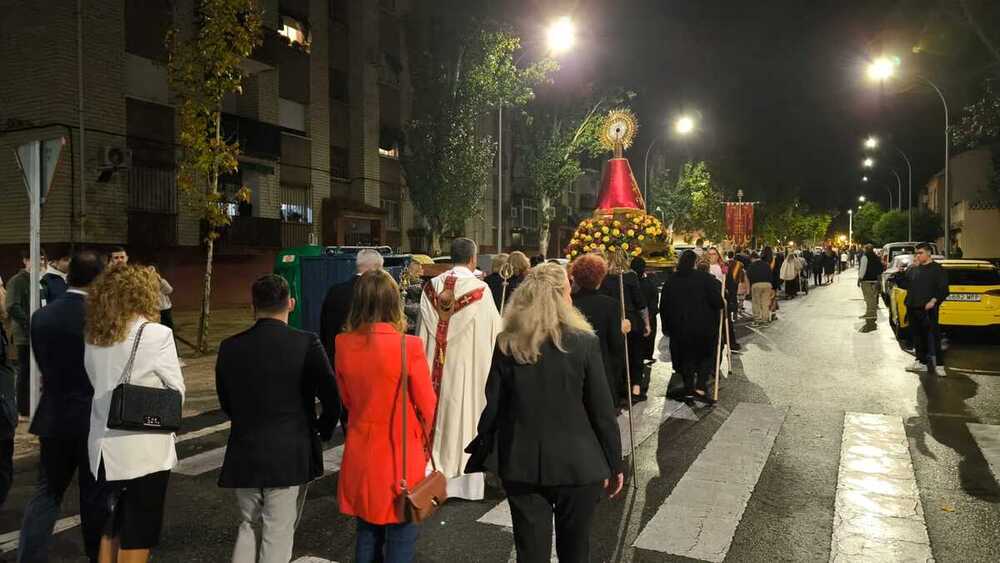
[245,233]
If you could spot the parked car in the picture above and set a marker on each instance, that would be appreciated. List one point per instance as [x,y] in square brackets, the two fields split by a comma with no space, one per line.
[893,249]
[974,300]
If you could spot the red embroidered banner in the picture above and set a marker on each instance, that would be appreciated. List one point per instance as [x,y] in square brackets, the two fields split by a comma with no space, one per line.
[739,222]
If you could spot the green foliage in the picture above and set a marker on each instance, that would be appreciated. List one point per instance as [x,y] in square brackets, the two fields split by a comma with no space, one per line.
[864,222]
[695,203]
[202,70]
[892,226]
[792,222]
[980,121]
[447,159]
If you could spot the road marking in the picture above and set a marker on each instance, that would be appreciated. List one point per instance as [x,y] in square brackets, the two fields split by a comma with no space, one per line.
[211,460]
[203,432]
[987,437]
[699,518]
[312,559]
[877,513]
[9,541]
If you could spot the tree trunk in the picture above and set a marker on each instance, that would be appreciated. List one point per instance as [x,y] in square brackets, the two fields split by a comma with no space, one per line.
[435,242]
[544,231]
[206,296]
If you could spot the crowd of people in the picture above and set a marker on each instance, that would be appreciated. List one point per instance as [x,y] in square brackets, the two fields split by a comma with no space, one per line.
[533,361]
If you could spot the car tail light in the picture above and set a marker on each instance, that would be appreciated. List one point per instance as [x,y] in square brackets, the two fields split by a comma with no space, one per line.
[993,293]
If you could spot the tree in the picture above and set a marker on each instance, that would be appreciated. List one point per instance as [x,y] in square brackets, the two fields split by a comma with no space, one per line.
[792,222]
[864,222]
[202,69]
[552,139]
[446,158]
[693,204]
[892,226]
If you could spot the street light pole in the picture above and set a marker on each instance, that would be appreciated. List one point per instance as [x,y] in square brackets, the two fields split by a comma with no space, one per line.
[645,170]
[850,226]
[947,161]
[899,190]
[500,179]
[909,194]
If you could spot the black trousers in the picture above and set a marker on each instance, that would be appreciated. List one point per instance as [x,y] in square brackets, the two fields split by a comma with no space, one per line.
[636,355]
[532,508]
[6,468]
[817,278]
[23,379]
[59,460]
[926,333]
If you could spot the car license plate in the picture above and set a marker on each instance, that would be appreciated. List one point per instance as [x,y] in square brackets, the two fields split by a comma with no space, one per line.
[965,297]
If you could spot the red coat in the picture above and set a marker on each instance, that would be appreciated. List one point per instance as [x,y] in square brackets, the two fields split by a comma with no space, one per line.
[368,368]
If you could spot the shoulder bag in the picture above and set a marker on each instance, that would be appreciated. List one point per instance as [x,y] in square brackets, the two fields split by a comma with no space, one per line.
[140,408]
[423,500]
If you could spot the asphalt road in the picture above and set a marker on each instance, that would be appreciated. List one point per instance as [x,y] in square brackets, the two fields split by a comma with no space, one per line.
[822,448]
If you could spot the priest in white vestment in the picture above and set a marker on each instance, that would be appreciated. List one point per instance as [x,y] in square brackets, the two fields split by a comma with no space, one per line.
[459,324]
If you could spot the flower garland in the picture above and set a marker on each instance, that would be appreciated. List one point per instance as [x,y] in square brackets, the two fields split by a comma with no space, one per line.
[631,231]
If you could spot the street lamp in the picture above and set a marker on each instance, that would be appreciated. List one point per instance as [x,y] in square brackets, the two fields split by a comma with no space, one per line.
[560,38]
[683,126]
[864,178]
[861,198]
[868,162]
[850,225]
[882,69]
[871,143]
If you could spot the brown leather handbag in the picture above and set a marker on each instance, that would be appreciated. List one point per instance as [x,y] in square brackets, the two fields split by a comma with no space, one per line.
[423,500]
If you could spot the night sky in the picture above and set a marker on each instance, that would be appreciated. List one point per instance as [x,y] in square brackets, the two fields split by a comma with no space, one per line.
[779,85]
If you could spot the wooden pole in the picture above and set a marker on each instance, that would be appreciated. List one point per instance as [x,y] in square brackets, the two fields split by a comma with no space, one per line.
[619,259]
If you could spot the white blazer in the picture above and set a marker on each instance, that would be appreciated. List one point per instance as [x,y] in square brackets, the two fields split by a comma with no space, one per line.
[128,454]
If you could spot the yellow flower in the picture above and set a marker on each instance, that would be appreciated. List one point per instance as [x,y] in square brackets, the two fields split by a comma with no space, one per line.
[631,233]
[637,252]
[571,254]
[642,237]
[605,229]
[606,239]
[586,247]
[602,247]
[615,232]
[624,246]
[649,230]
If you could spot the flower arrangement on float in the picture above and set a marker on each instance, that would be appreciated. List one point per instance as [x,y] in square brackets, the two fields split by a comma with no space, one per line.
[633,231]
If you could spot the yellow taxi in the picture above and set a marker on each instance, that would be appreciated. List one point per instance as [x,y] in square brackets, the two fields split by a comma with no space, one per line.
[973,301]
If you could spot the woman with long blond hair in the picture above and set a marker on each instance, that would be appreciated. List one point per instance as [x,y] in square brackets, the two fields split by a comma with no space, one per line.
[369,369]
[549,412]
[123,337]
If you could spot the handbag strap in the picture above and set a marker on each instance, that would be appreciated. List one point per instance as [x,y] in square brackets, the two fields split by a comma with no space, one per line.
[404,377]
[127,372]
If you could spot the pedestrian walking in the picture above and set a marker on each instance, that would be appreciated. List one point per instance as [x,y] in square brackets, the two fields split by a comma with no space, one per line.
[520,265]
[716,266]
[651,295]
[166,306]
[495,281]
[638,316]
[18,306]
[829,265]
[8,412]
[735,279]
[869,274]
[549,417]
[268,379]
[790,275]
[62,419]
[412,290]
[604,315]
[131,466]
[926,285]
[690,308]
[117,256]
[369,372]
[816,265]
[53,278]
[761,290]
[459,324]
[337,303]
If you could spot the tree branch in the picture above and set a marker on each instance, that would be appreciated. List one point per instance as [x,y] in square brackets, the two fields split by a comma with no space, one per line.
[971,20]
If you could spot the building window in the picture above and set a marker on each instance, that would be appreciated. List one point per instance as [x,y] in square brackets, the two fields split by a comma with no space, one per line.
[294,31]
[389,153]
[338,162]
[295,205]
[392,218]
[338,85]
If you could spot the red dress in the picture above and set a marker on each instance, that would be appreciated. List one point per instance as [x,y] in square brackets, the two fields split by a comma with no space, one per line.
[368,368]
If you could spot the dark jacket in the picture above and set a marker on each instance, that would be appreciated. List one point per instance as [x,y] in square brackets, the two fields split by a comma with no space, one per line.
[873,268]
[18,305]
[923,283]
[58,342]
[552,422]
[333,316]
[759,272]
[604,314]
[268,379]
[634,301]
[690,305]
[54,287]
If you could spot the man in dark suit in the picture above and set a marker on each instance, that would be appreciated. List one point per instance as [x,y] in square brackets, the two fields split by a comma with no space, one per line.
[337,303]
[268,379]
[63,416]
[638,315]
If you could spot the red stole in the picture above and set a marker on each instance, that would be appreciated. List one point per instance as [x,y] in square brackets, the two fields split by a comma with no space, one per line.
[446,305]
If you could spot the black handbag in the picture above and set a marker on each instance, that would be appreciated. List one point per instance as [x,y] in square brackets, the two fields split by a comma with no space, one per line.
[141,408]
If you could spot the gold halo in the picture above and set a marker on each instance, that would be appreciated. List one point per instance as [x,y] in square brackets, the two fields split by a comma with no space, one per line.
[619,127]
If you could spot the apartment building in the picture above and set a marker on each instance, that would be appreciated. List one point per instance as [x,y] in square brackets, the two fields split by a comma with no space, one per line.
[975,206]
[319,123]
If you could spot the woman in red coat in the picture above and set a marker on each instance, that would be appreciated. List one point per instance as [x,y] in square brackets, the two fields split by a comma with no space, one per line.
[368,375]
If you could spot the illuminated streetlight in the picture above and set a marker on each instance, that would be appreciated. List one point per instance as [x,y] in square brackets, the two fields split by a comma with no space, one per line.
[684,125]
[868,162]
[861,199]
[871,143]
[882,68]
[561,35]
[864,178]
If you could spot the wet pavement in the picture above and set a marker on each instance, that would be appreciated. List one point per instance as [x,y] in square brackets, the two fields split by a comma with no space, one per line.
[822,448]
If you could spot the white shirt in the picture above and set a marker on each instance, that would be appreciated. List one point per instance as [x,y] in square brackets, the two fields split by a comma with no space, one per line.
[50,270]
[128,454]
[716,270]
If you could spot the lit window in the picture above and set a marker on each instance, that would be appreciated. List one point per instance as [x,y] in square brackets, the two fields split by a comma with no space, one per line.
[294,31]
[293,213]
[389,153]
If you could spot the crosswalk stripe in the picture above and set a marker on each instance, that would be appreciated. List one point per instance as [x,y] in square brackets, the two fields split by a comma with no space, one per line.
[877,514]
[699,518]
[987,437]
[312,559]
[202,432]
[211,460]
[10,540]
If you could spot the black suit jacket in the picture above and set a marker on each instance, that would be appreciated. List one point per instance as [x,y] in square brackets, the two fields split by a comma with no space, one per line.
[268,378]
[552,422]
[336,307]
[57,339]
[604,314]
[634,301]
[55,287]
[689,307]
